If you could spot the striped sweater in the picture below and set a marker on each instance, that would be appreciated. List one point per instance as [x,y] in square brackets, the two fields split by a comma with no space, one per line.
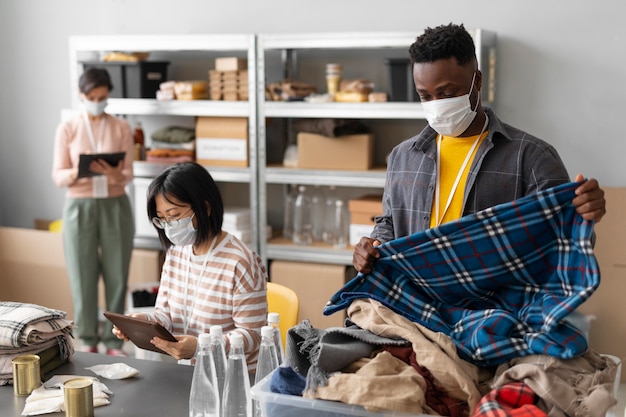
[228,289]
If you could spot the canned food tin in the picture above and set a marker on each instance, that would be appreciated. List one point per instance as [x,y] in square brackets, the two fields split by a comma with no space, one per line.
[78,397]
[26,374]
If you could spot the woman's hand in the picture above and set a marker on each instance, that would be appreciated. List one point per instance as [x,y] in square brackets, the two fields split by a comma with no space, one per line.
[119,334]
[102,167]
[185,348]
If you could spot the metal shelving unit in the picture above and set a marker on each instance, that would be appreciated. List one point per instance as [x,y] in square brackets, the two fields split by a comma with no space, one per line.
[89,47]
[287,47]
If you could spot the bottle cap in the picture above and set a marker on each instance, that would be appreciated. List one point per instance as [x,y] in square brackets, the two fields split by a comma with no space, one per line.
[236,339]
[216,331]
[267,331]
[273,318]
[204,339]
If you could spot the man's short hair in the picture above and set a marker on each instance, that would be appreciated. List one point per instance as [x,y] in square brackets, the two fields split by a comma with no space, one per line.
[443,42]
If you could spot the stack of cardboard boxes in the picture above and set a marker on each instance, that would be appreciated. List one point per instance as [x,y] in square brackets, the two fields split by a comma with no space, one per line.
[229,80]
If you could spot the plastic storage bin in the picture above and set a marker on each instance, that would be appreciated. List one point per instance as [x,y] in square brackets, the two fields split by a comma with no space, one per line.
[283,405]
[400,80]
[140,79]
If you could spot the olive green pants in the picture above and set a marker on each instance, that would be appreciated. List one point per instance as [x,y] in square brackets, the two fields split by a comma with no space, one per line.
[97,241]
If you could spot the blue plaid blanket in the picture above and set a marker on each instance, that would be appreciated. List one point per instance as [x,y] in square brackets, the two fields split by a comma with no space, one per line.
[498,282]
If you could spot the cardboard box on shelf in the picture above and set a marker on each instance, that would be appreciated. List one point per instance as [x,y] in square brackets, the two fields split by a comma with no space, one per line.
[354,152]
[357,231]
[222,141]
[362,213]
[231,64]
[315,284]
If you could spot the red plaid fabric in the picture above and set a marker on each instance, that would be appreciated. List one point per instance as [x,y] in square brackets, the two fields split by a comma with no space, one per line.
[511,400]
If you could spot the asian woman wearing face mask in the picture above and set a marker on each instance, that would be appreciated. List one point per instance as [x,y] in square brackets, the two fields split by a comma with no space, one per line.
[98,225]
[209,276]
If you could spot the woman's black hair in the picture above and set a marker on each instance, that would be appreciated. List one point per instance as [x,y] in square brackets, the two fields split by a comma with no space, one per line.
[93,78]
[443,42]
[189,183]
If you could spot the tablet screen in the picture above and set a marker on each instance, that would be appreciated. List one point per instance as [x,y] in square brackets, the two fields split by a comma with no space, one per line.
[139,331]
[85,160]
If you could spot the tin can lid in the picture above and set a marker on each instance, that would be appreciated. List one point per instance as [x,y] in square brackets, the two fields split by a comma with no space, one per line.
[77,383]
[25,359]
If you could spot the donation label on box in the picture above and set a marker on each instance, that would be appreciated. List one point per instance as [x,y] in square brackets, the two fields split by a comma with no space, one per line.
[222,141]
[222,149]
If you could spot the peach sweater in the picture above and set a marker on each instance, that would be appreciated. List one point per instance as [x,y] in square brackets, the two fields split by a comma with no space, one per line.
[72,139]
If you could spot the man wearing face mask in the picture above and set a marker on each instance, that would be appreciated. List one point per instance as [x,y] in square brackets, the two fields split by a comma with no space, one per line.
[98,225]
[466,159]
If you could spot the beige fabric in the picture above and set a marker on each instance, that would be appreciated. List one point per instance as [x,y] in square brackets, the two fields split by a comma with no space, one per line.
[434,351]
[382,383]
[578,387]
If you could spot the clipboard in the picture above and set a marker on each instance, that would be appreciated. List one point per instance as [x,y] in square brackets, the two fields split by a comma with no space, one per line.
[86,159]
[140,331]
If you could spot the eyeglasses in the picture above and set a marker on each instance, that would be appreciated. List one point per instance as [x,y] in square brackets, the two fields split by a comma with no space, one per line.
[169,221]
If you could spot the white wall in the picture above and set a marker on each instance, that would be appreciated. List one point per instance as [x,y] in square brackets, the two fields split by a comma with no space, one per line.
[561,69]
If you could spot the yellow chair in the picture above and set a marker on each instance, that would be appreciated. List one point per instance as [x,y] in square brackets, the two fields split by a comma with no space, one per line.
[284,301]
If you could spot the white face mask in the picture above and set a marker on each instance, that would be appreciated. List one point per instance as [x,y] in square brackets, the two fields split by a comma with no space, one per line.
[181,234]
[95,108]
[451,116]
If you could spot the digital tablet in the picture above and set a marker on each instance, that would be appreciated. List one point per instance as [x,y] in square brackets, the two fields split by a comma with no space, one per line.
[140,331]
[86,159]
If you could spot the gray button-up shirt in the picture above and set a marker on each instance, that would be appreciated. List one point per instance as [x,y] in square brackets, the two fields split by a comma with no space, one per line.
[509,164]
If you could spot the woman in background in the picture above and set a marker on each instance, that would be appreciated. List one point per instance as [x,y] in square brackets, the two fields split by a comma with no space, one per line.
[98,223]
[209,276]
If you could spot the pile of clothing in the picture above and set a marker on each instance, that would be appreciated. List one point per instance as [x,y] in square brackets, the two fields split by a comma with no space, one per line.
[33,329]
[172,144]
[481,305]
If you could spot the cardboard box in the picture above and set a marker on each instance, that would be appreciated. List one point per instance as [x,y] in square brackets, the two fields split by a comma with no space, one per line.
[315,284]
[231,64]
[354,152]
[33,269]
[362,213]
[357,231]
[364,209]
[222,141]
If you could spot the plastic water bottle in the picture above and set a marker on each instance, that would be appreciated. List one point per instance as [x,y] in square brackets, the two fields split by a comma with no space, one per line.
[236,400]
[290,200]
[340,218]
[273,319]
[318,215]
[204,400]
[302,218]
[329,228]
[268,360]
[218,350]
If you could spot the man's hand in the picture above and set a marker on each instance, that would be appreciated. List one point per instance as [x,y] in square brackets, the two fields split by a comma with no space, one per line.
[589,200]
[365,255]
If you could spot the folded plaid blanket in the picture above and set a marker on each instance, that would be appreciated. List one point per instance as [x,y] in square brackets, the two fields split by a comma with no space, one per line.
[498,282]
[16,317]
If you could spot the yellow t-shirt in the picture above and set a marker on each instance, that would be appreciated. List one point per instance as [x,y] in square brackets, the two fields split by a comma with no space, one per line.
[452,154]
